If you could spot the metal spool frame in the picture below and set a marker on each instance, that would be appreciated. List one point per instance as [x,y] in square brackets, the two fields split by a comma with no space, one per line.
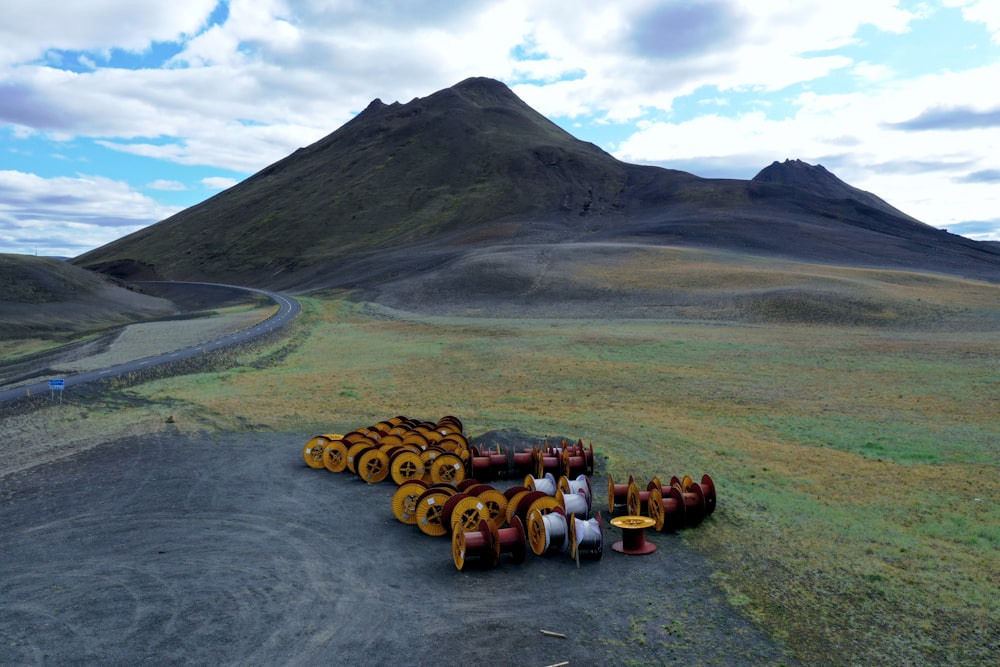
[586,537]
[666,508]
[335,456]
[637,501]
[404,500]
[617,493]
[482,545]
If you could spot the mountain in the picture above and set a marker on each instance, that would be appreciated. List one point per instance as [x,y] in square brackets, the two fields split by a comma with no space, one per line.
[445,190]
[48,296]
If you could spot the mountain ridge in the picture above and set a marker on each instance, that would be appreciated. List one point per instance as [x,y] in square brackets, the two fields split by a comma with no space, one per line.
[405,186]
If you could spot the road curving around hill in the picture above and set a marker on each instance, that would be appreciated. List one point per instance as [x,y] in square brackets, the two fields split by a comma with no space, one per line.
[168,349]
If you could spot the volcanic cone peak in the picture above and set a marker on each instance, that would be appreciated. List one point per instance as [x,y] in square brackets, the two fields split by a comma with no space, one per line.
[817,180]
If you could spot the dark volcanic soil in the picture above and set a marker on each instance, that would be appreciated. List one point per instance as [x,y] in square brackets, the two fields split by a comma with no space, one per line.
[228,549]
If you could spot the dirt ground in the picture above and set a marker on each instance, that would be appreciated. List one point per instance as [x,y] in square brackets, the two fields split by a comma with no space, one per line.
[163,547]
[228,550]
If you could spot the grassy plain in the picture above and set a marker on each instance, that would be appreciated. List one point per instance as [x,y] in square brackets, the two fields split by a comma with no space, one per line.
[857,467]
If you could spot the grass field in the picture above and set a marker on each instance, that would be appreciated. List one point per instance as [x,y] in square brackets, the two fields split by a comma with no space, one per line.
[857,468]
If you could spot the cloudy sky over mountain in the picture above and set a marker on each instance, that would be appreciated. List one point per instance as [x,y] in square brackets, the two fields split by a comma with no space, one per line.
[116,113]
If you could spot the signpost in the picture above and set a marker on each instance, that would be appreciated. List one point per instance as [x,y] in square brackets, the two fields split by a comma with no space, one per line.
[57,385]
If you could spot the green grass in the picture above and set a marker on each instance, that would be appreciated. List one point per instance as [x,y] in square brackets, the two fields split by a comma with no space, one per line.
[856,468]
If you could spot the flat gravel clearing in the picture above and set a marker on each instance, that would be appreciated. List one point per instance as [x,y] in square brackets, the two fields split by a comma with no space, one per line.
[229,550]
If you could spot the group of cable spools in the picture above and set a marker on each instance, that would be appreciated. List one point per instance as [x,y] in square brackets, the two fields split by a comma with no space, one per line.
[442,490]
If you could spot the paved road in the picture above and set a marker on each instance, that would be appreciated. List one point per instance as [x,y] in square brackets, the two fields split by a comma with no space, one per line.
[288,309]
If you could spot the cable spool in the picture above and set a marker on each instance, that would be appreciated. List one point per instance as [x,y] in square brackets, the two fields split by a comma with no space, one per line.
[335,456]
[695,505]
[406,465]
[522,462]
[354,452]
[404,500]
[519,504]
[546,484]
[373,466]
[448,468]
[482,545]
[499,462]
[480,466]
[578,462]
[579,485]
[450,423]
[666,508]
[573,503]
[549,461]
[617,493]
[707,488]
[633,540]
[417,439]
[547,531]
[586,537]
[513,541]
[514,490]
[473,487]
[313,451]
[427,458]
[496,503]
[637,501]
[466,513]
[430,505]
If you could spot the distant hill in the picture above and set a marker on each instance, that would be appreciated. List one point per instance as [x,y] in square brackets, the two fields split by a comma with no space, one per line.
[40,295]
[446,190]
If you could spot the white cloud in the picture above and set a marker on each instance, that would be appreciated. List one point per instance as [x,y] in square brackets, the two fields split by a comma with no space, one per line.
[162,184]
[32,27]
[69,215]
[218,182]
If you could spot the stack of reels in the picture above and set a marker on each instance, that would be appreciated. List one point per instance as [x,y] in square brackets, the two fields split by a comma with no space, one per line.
[442,489]
[485,523]
[684,503]
[437,452]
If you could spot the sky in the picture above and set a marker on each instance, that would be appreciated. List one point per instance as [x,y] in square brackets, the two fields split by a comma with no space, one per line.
[115,114]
